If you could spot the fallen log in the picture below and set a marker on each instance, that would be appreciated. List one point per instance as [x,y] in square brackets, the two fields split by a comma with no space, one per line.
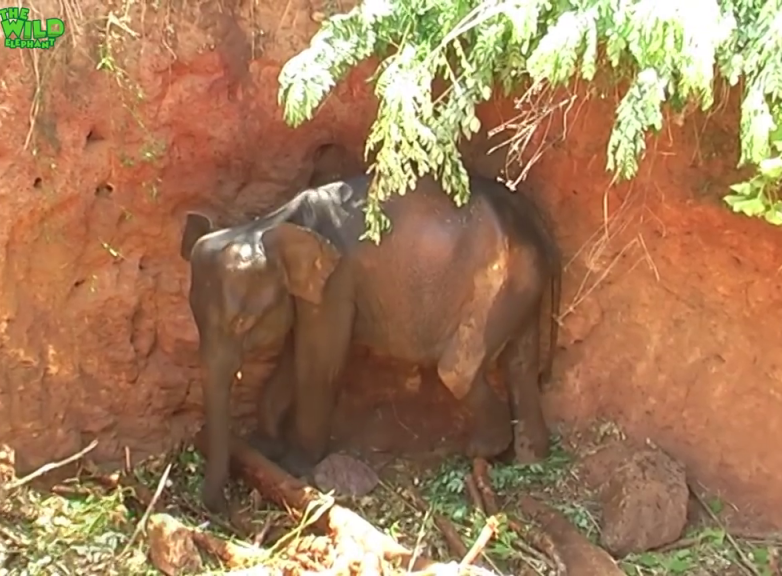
[348,530]
[579,555]
[541,546]
[173,548]
[444,525]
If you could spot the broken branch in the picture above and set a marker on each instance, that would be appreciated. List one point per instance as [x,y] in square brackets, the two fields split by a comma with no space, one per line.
[343,525]
[49,467]
[474,493]
[487,532]
[445,526]
[746,564]
[143,522]
[234,556]
[542,548]
[480,473]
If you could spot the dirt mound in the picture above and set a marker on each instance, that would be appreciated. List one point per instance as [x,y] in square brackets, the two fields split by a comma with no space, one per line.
[672,300]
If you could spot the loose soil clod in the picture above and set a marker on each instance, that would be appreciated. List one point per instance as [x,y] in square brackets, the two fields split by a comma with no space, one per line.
[644,504]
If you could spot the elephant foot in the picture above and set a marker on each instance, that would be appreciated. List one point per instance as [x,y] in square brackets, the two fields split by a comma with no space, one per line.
[530,448]
[297,464]
[214,500]
[273,449]
[490,440]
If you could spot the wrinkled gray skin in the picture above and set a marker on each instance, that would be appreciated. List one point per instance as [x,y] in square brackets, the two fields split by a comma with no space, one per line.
[448,287]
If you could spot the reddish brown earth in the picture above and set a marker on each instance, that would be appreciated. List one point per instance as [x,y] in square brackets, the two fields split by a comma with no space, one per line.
[674,330]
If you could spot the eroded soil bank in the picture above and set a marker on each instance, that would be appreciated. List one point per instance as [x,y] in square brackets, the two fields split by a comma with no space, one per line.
[674,331]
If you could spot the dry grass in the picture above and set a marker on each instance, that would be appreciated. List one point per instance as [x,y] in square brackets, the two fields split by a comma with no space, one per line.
[601,253]
[539,109]
[89,35]
[531,126]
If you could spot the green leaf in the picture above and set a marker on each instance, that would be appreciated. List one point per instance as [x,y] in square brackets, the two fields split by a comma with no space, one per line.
[714,536]
[771,167]
[666,51]
[715,504]
[749,206]
[776,137]
[648,560]
[681,563]
[774,216]
[759,555]
[742,188]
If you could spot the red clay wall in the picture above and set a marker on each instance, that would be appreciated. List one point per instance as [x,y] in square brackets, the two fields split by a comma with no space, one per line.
[677,336]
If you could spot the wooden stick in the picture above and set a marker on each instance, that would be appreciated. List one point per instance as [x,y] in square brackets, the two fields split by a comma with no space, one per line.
[291,494]
[487,532]
[444,525]
[744,562]
[234,556]
[542,548]
[474,493]
[49,467]
[480,472]
[143,522]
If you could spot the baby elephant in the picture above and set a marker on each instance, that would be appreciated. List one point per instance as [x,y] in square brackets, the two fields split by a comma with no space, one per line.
[454,288]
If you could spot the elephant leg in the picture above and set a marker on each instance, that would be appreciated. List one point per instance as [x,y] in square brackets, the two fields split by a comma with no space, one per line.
[220,360]
[274,404]
[462,369]
[519,364]
[323,335]
[491,432]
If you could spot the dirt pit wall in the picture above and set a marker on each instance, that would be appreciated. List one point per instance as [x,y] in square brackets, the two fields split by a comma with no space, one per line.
[674,326]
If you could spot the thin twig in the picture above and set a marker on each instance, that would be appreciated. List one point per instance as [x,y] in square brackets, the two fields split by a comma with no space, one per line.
[487,532]
[36,103]
[480,472]
[143,522]
[112,20]
[418,540]
[474,493]
[541,546]
[50,466]
[548,555]
[744,561]
[444,525]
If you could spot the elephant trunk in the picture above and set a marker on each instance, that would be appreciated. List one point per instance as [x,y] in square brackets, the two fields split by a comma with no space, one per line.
[220,362]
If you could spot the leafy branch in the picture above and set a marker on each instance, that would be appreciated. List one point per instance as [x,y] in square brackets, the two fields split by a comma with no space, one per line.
[669,48]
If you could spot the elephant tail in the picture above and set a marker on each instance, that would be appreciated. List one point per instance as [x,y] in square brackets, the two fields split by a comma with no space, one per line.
[533,215]
[555,264]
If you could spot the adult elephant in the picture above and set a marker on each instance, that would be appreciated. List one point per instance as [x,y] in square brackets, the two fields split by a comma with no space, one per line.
[450,287]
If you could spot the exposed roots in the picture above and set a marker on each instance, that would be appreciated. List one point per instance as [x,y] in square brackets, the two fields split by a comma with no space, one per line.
[598,252]
[536,108]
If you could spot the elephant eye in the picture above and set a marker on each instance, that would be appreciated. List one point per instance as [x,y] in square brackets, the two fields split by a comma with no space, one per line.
[243,323]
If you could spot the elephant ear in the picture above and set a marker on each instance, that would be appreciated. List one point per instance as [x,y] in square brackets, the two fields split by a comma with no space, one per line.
[307,258]
[196,225]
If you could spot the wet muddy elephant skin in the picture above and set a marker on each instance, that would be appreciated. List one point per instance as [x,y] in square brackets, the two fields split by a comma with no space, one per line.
[454,288]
